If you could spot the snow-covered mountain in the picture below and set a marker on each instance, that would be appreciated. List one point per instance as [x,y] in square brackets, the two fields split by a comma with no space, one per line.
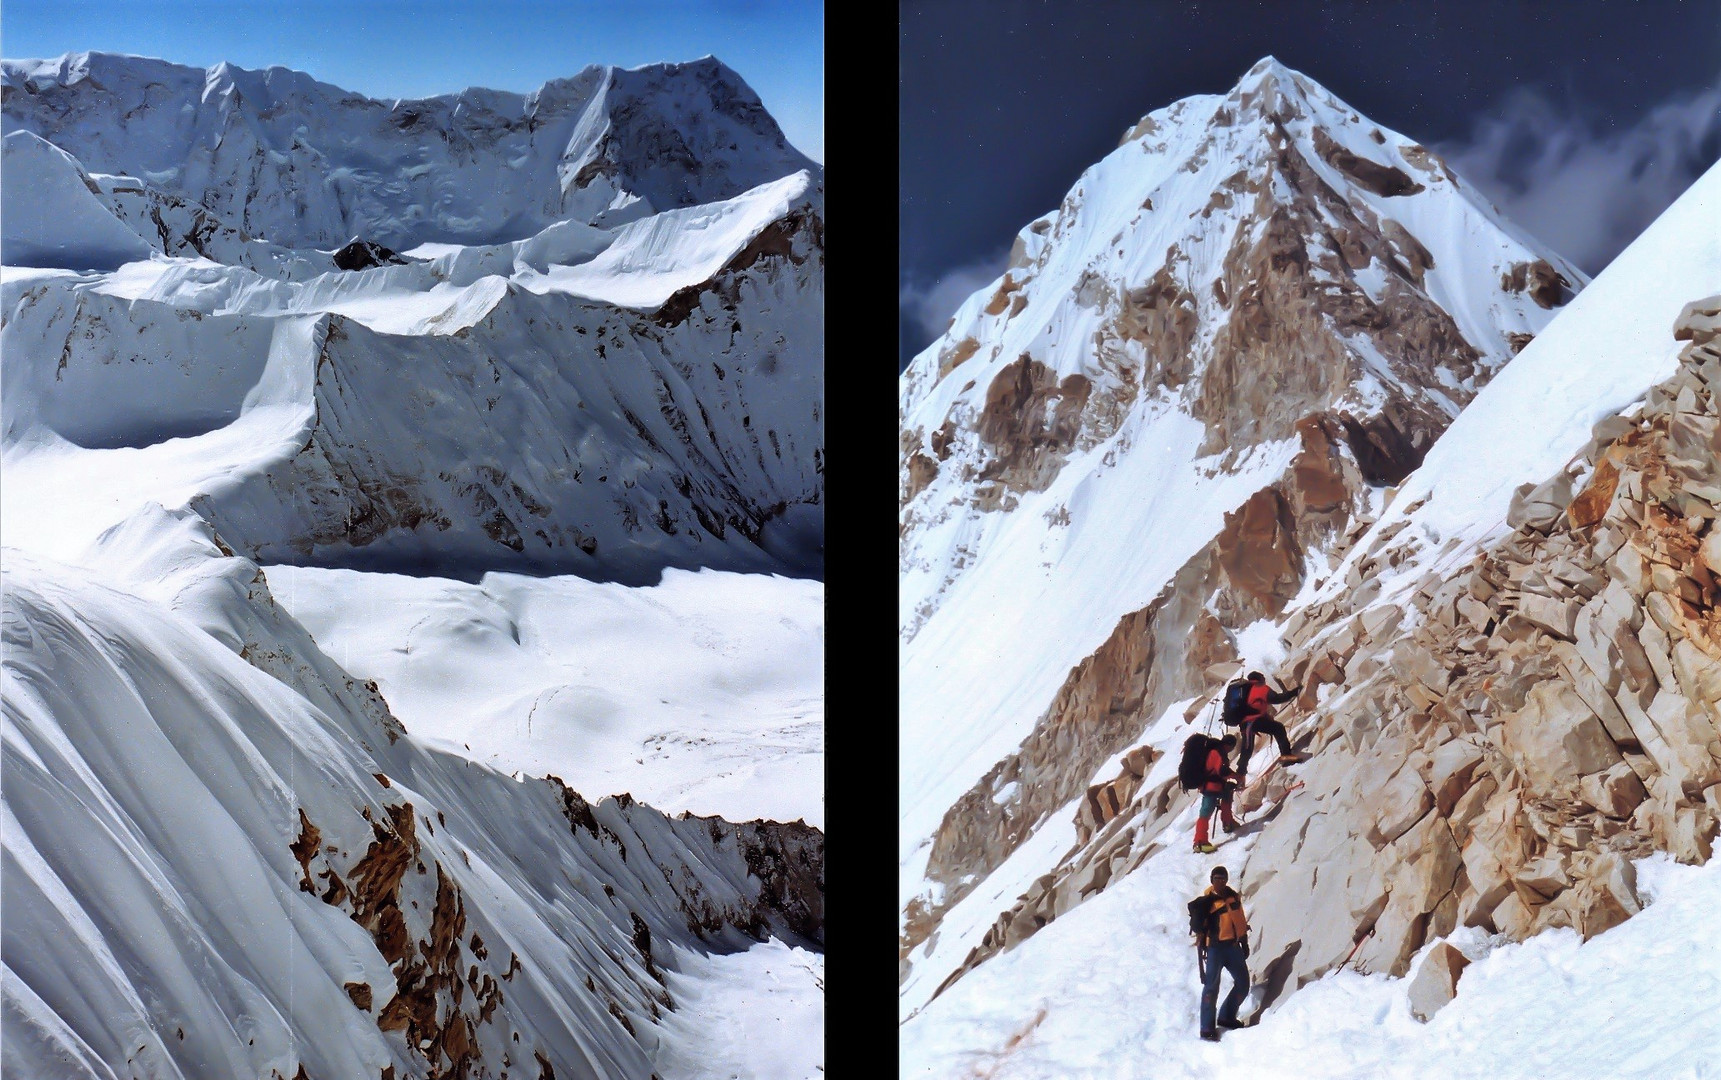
[598,352]
[597,400]
[1193,381]
[281,156]
[1507,667]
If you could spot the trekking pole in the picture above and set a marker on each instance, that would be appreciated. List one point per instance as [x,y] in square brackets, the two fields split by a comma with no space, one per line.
[1212,715]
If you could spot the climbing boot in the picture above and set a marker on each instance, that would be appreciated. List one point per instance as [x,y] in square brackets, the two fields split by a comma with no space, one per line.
[1231,1024]
[1205,848]
[1210,1036]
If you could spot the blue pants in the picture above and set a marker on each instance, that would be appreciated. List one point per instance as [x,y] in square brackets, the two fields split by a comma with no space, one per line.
[1224,956]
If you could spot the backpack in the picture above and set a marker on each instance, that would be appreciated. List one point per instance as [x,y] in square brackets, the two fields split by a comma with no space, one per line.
[1192,767]
[1236,702]
[1201,919]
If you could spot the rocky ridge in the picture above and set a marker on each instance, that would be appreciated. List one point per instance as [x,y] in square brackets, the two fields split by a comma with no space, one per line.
[1492,749]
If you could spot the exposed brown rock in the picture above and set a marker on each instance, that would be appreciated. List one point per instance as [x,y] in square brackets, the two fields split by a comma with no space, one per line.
[305,849]
[1031,420]
[1546,286]
[1387,180]
[1259,552]
[1318,467]
[360,993]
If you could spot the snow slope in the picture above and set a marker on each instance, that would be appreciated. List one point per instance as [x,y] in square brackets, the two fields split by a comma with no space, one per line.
[155,782]
[545,429]
[51,212]
[1110,990]
[703,693]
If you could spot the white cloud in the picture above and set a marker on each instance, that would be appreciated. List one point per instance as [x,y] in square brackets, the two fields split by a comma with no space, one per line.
[928,308]
[1584,192]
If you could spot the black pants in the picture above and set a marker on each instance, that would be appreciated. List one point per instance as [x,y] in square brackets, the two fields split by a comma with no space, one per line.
[1246,742]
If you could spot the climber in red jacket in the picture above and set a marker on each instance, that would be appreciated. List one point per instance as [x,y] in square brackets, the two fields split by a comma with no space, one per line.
[1258,720]
[1216,793]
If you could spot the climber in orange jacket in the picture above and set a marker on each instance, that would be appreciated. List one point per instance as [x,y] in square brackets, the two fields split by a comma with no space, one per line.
[1222,940]
[1257,719]
[1216,793]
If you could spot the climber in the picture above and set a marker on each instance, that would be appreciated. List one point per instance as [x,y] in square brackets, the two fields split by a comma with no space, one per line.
[1222,944]
[1257,719]
[1218,784]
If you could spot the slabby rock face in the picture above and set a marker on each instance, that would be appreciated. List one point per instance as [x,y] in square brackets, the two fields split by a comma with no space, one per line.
[1532,725]
[1257,284]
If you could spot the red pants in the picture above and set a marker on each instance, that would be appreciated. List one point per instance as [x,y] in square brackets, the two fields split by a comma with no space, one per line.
[1209,801]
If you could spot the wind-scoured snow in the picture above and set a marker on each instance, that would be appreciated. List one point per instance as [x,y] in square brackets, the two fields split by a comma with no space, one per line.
[154,780]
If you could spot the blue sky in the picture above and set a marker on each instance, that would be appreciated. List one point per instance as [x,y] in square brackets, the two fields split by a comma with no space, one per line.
[397,48]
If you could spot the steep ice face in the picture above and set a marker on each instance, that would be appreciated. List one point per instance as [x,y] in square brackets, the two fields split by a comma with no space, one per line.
[285,158]
[1162,425]
[1508,686]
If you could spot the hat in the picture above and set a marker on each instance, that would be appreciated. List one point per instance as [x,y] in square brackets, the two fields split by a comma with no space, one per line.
[1256,676]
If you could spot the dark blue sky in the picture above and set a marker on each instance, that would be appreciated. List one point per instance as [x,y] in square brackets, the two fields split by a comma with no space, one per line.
[1003,106]
[420,48]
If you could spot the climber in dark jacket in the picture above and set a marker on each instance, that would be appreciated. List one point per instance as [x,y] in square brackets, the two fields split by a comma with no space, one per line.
[1225,946]
[1258,720]
[1216,792]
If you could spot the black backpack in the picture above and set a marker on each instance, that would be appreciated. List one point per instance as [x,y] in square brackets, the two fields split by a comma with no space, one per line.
[1201,920]
[1192,768]
[1236,702]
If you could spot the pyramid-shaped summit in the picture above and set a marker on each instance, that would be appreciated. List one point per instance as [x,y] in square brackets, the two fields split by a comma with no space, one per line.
[1192,387]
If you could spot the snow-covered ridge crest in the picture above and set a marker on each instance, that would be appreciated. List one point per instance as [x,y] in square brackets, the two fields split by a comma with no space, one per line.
[1167,419]
[717,310]
[285,158]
